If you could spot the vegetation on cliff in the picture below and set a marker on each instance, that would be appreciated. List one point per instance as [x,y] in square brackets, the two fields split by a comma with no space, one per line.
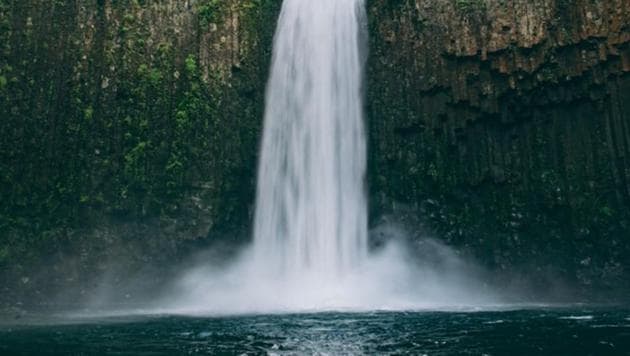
[130,128]
[126,112]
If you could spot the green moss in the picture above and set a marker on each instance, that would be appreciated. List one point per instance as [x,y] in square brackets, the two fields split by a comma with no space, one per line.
[88,113]
[211,11]
[191,65]
[470,5]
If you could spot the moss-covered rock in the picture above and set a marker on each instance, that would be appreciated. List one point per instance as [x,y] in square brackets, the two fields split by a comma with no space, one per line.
[126,123]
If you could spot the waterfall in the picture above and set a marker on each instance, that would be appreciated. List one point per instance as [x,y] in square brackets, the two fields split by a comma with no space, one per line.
[310,231]
[311,214]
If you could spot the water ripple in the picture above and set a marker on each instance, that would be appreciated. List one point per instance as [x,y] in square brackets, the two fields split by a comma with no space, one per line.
[432,333]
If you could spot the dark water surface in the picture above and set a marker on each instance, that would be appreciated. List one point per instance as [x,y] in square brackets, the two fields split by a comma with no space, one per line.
[575,331]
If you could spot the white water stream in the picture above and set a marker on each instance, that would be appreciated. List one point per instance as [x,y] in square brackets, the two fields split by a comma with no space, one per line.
[311,210]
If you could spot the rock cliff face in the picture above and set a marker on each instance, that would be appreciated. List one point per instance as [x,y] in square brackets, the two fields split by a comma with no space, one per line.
[130,131]
[506,126]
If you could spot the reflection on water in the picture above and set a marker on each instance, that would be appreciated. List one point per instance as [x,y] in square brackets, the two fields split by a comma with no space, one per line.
[526,332]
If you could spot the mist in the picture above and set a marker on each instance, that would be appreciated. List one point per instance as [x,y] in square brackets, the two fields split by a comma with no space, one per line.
[397,275]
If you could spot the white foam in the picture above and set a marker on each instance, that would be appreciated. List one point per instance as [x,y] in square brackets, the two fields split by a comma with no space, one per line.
[577,317]
[494,322]
[387,281]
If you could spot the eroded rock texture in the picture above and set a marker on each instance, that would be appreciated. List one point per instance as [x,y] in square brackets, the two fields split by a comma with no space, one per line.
[506,125]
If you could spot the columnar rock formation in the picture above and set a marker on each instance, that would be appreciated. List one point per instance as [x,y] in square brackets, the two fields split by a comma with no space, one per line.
[507,124]
[130,130]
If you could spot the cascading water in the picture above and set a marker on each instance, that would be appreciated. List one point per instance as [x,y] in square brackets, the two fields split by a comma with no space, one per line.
[311,205]
[310,230]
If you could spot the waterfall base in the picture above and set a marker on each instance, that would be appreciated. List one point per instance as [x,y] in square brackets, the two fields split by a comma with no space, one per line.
[389,279]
